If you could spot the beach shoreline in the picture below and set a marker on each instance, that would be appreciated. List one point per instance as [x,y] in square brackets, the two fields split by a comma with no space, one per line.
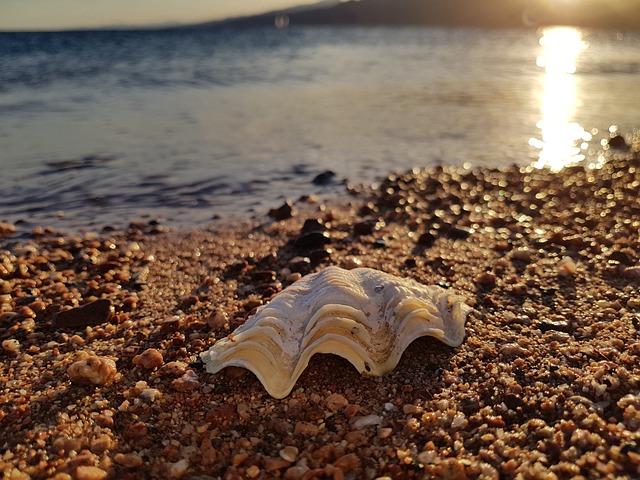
[545,385]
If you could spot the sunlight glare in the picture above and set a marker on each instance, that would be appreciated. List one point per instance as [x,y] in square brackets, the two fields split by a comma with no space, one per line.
[561,138]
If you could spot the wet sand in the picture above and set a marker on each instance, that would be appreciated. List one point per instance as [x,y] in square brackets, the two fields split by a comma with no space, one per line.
[546,384]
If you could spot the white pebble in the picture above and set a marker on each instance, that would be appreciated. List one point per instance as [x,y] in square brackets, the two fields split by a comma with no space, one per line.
[178,469]
[289,454]
[11,345]
[361,422]
[567,267]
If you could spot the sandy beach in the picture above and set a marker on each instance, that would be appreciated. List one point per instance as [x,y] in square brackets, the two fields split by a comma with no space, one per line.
[546,384]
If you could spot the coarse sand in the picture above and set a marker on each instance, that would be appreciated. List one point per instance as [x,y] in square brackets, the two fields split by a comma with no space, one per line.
[546,384]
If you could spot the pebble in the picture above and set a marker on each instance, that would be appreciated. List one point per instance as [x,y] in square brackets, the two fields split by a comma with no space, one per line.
[91,314]
[273,464]
[366,421]
[335,402]
[101,444]
[93,370]
[486,279]
[253,471]
[218,319]
[150,395]
[179,469]
[171,324]
[347,462]
[312,240]
[12,345]
[129,460]
[283,212]
[87,472]
[6,229]
[325,178]
[187,382]
[313,225]
[149,359]
[306,429]
[566,267]
[631,273]
[290,454]
[174,369]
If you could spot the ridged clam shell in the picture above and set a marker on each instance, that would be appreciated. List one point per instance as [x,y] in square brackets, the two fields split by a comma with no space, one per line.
[366,316]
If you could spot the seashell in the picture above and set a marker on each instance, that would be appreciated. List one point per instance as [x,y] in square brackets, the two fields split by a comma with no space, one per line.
[364,315]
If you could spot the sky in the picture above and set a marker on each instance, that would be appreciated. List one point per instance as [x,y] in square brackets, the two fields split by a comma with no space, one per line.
[17,15]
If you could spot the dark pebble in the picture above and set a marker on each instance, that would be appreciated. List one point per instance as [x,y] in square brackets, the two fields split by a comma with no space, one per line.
[459,232]
[427,238]
[283,212]
[512,401]
[26,300]
[264,276]
[319,256]
[560,326]
[380,243]
[93,313]
[313,240]
[324,178]
[618,142]
[313,225]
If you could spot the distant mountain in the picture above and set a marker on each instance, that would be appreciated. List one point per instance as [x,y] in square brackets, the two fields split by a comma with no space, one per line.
[609,14]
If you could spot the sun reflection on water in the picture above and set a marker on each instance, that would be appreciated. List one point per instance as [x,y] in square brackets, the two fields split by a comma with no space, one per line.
[562,140]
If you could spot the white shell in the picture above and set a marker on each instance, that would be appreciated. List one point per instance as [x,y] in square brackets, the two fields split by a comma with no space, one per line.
[366,316]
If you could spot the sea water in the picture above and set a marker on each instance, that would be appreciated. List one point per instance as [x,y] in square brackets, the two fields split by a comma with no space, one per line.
[187,125]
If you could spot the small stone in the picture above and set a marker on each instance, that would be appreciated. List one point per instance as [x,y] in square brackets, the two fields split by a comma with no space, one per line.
[290,454]
[86,472]
[367,227]
[296,472]
[427,238]
[459,232]
[149,359]
[451,469]
[218,319]
[101,444]
[347,462]
[335,402]
[366,421]
[253,471]
[313,225]
[150,395]
[486,280]
[12,345]
[618,142]
[324,178]
[129,460]
[136,431]
[187,382]
[174,369]
[566,267]
[631,273]
[272,464]
[171,324]
[384,432]
[6,229]
[283,212]
[93,370]
[178,469]
[307,429]
[91,314]
[312,240]
[521,255]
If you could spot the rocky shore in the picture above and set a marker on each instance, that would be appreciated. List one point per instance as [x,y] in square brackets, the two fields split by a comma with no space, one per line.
[101,333]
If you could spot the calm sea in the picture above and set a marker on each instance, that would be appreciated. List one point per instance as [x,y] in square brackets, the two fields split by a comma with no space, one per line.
[105,127]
